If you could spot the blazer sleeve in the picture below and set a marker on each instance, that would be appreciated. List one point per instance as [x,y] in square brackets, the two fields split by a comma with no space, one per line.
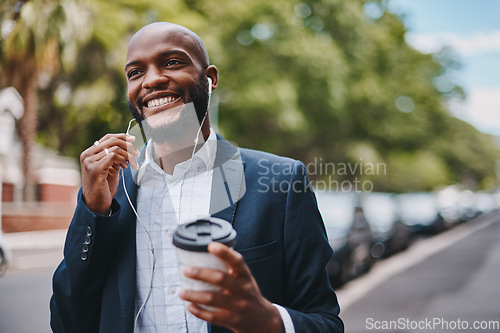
[311,301]
[78,281]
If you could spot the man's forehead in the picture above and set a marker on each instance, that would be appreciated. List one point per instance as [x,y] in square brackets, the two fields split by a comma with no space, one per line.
[175,34]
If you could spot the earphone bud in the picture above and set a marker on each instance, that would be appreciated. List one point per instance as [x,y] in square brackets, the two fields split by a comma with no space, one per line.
[209,86]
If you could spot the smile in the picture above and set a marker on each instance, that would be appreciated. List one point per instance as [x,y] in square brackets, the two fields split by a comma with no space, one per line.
[161,101]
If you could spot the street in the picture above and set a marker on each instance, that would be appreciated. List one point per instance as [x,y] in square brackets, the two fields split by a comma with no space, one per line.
[455,289]
[444,283]
[24,301]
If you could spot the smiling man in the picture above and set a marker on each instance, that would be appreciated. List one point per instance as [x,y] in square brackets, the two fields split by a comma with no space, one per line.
[120,271]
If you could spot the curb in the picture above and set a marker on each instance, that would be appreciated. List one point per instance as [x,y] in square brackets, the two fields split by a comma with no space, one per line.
[35,249]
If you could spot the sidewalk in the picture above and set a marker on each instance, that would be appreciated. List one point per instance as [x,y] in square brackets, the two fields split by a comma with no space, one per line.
[35,249]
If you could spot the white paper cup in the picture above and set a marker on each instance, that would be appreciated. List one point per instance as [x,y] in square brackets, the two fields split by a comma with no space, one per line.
[192,239]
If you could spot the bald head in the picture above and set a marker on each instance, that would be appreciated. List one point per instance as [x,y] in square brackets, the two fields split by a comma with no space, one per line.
[181,34]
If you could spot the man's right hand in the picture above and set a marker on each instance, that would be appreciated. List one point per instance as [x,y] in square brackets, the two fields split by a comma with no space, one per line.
[100,170]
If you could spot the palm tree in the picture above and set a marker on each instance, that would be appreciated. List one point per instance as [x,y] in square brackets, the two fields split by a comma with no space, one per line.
[44,39]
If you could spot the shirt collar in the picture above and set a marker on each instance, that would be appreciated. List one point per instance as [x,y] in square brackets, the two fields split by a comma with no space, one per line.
[203,158]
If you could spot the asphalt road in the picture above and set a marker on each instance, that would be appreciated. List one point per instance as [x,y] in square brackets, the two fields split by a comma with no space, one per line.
[455,289]
[24,301]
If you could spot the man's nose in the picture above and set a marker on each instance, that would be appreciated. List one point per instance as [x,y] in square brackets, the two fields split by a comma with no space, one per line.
[154,78]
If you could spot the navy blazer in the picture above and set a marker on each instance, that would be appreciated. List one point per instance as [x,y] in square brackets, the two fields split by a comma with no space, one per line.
[280,235]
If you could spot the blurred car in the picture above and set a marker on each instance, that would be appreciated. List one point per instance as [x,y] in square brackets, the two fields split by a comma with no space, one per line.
[389,234]
[348,233]
[484,202]
[420,213]
[467,205]
[449,207]
[4,255]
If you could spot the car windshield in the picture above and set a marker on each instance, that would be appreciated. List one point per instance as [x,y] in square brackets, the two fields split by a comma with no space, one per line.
[379,209]
[418,208]
[337,209]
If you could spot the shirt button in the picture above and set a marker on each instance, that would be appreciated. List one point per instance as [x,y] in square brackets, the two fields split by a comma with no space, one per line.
[89,231]
[170,233]
[172,290]
[83,256]
[86,240]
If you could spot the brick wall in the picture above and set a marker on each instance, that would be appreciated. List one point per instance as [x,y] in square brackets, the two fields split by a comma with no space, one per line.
[17,217]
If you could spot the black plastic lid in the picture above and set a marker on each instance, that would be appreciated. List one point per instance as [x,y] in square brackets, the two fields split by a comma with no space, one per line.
[196,235]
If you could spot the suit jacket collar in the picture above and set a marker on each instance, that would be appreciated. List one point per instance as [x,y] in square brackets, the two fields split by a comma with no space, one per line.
[228,182]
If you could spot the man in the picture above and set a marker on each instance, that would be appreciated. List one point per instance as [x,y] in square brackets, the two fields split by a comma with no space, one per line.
[119,273]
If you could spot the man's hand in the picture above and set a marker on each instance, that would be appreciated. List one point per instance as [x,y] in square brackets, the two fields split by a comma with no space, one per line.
[240,305]
[100,166]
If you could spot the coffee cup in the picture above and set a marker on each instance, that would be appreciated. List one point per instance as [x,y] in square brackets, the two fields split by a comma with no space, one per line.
[192,239]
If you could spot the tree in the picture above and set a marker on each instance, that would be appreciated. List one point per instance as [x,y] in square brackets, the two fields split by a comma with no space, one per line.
[330,79]
[45,38]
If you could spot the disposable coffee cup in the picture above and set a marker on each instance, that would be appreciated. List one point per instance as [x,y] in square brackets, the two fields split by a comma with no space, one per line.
[192,239]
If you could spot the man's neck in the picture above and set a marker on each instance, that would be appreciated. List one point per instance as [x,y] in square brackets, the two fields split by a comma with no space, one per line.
[169,154]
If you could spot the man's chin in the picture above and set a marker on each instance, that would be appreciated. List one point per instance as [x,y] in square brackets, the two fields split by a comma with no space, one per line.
[159,117]
[172,125]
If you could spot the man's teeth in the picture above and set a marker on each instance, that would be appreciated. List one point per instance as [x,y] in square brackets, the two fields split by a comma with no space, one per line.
[160,101]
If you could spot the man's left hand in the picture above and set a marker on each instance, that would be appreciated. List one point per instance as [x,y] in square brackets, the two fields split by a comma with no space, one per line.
[239,305]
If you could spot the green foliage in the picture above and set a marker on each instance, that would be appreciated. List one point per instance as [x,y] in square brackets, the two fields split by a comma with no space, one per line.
[311,79]
[417,171]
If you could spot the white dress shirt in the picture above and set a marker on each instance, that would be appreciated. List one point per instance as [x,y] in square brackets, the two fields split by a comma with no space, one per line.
[163,202]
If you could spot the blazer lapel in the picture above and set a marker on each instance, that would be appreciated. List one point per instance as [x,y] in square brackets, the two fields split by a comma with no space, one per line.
[228,186]
[228,181]
[126,273]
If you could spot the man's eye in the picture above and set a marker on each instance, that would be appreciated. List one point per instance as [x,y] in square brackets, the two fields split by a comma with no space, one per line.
[172,62]
[133,73]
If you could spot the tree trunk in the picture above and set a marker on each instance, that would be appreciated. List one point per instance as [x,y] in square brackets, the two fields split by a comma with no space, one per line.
[21,73]
[27,129]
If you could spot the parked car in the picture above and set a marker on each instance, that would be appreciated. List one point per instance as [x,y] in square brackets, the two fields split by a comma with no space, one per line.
[389,234]
[468,205]
[420,213]
[4,255]
[484,202]
[449,207]
[348,233]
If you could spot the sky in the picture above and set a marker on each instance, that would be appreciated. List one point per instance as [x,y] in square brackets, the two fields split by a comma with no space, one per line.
[472,30]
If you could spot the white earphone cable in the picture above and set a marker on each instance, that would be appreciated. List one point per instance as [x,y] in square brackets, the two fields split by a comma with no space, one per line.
[159,206]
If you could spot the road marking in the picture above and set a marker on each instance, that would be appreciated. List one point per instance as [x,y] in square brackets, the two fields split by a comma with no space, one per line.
[418,252]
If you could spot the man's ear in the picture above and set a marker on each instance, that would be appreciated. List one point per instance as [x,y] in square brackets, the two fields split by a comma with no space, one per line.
[213,74]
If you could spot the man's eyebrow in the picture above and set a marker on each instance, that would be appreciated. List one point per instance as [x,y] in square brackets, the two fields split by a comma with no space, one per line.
[162,55]
[167,53]
[132,63]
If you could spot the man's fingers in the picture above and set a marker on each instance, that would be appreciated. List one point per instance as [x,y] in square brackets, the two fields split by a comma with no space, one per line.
[121,136]
[215,277]
[102,162]
[233,259]
[215,315]
[126,155]
[119,144]
[121,140]
[214,299]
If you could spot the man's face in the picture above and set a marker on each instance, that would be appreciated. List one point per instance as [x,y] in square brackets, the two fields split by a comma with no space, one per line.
[165,70]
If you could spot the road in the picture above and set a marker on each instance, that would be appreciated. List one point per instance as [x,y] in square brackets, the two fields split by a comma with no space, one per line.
[450,279]
[24,301]
[451,289]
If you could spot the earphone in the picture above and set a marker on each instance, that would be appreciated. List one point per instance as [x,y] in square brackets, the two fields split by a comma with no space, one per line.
[206,112]
[161,199]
